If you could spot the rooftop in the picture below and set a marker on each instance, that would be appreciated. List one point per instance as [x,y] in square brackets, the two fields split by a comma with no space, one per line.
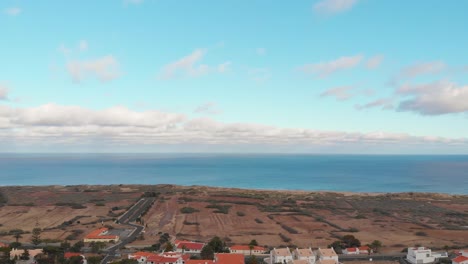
[305,252]
[229,258]
[100,234]
[327,252]
[460,259]
[282,252]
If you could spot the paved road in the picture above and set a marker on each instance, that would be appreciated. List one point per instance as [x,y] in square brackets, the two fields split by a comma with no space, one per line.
[130,216]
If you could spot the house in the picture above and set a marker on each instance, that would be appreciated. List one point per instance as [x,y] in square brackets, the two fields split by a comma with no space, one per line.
[304,254]
[100,235]
[298,261]
[229,258]
[351,251]
[188,246]
[357,250]
[365,250]
[280,255]
[419,255]
[199,261]
[158,259]
[327,256]
[18,252]
[141,256]
[246,250]
[461,252]
[163,258]
[460,260]
[3,245]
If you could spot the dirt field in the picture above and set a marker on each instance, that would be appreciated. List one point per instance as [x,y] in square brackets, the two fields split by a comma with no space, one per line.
[273,218]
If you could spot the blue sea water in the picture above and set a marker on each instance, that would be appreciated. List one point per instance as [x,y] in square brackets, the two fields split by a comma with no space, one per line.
[357,173]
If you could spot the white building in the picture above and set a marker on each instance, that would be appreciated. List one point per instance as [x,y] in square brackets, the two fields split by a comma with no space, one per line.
[304,254]
[327,256]
[247,250]
[420,255]
[357,250]
[280,255]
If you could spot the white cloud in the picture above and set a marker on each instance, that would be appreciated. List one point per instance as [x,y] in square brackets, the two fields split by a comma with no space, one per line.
[261,51]
[191,66]
[374,62]
[383,103]
[324,69]
[341,93]
[4,91]
[105,69]
[415,70]
[186,66]
[436,98]
[333,6]
[74,125]
[13,11]
[83,45]
[207,108]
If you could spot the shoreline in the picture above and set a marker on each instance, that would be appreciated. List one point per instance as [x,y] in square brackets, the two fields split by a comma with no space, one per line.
[221,188]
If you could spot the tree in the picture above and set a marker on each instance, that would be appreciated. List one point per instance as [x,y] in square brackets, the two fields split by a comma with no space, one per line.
[337,246]
[350,241]
[252,260]
[253,242]
[25,255]
[207,252]
[218,245]
[169,247]
[15,245]
[36,236]
[77,246]
[17,236]
[75,260]
[376,245]
[251,247]
[94,260]
[97,246]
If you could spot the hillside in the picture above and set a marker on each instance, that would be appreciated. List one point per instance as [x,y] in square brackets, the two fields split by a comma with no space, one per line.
[273,218]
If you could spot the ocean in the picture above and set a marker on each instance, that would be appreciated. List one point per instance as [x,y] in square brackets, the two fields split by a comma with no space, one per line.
[356,173]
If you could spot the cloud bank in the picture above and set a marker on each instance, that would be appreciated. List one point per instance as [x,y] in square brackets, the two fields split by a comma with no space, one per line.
[74,125]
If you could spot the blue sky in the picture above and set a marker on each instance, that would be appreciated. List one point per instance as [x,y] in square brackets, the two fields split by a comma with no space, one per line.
[326,76]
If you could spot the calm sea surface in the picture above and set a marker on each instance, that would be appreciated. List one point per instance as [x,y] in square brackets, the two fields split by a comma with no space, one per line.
[358,173]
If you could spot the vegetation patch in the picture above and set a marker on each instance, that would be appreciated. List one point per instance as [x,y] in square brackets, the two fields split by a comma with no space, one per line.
[191,223]
[220,209]
[188,210]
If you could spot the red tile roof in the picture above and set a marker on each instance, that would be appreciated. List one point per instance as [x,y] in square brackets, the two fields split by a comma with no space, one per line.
[460,259]
[199,261]
[161,259]
[2,245]
[68,255]
[245,247]
[190,245]
[364,248]
[96,234]
[140,254]
[229,258]
[351,249]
